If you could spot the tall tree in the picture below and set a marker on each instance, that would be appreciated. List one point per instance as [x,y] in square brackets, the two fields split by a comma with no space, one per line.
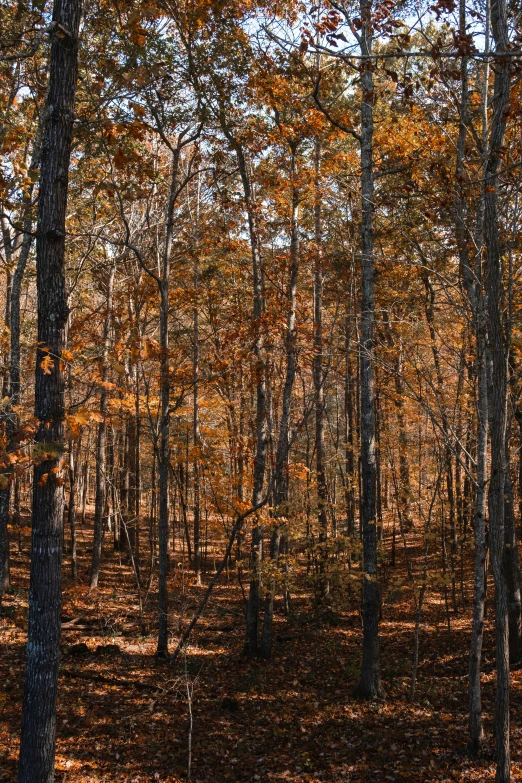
[100,501]
[370,683]
[499,387]
[281,480]
[38,738]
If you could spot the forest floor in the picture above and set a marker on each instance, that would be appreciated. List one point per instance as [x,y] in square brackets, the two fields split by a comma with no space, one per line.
[123,716]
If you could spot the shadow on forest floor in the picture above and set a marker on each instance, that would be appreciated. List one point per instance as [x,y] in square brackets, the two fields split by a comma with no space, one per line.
[125,717]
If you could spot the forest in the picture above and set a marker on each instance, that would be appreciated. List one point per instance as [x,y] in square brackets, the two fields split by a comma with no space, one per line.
[261,391]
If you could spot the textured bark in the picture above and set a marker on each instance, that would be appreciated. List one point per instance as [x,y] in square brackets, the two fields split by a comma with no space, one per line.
[125,486]
[518,415]
[499,386]
[5,427]
[38,736]
[5,498]
[164,468]
[261,434]
[164,446]
[86,472]
[283,443]
[317,371]
[195,416]
[512,572]
[265,647]
[132,506]
[349,457]
[71,512]
[472,278]
[100,501]
[403,490]
[369,686]
[476,731]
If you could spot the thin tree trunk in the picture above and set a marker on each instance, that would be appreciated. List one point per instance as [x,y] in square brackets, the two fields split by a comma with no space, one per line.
[476,731]
[261,436]
[71,512]
[132,508]
[498,404]
[403,488]
[100,501]
[317,370]
[85,476]
[195,423]
[164,468]
[473,282]
[512,572]
[164,449]
[348,432]
[281,465]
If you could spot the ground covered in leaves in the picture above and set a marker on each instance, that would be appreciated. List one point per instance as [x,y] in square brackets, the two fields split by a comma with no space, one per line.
[123,716]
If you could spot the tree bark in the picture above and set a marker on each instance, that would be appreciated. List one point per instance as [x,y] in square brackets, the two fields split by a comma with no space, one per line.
[512,572]
[369,686]
[318,378]
[283,443]
[349,445]
[195,423]
[499,388]
[100,501]
[71,512]
[473,284]
[164,449]
[38,735]
[476,731]
[261,436]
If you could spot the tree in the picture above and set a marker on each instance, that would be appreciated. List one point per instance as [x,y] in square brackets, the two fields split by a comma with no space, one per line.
[499,360]
[37,745]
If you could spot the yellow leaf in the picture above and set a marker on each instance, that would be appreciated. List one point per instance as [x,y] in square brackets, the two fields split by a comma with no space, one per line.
[47,364]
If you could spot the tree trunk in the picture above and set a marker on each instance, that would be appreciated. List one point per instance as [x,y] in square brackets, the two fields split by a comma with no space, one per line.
[196,433]
[164,450]
[281,464]
[132,467]
[261,436]
[349,432]
[476,731]
[498,404]
[403,488]
[38,735]
[71,512]
[512,572]
[100,501]
[370,683]
[318,378]
[473,284]
[164,468]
